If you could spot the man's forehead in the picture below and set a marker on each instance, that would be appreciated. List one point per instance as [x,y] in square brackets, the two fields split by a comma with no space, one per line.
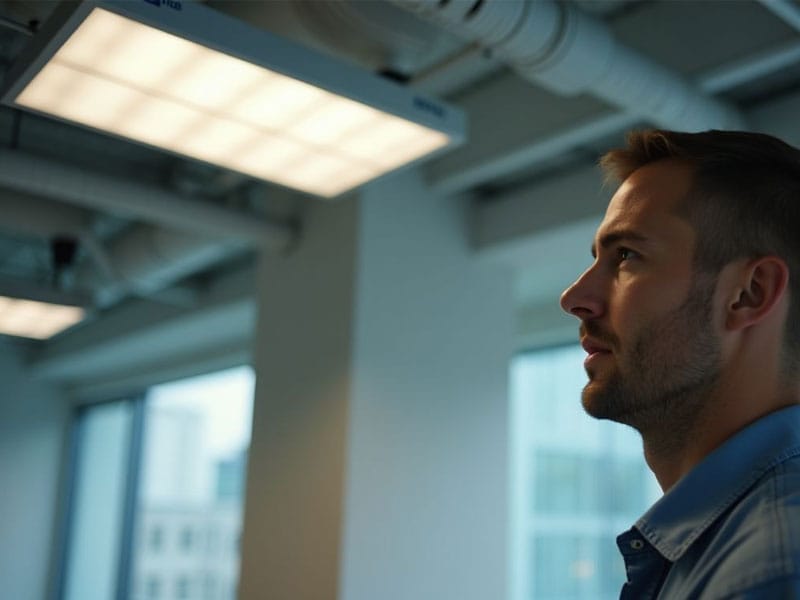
[651,192]
[635,221]
[644,214]
[627,213]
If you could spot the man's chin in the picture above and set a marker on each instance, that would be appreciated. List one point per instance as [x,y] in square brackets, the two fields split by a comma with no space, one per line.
[590,407]
[598,402]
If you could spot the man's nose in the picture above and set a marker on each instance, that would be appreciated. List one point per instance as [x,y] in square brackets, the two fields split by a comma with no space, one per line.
[583,298]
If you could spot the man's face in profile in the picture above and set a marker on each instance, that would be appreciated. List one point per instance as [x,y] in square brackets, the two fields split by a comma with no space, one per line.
[646,318]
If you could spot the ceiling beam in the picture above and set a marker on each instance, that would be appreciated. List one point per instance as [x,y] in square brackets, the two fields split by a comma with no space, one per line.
[139,334]
[786,10]
[501,226]
[136,200]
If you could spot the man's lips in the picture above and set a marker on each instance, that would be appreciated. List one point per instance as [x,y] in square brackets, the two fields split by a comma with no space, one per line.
[595,352]
[593,347]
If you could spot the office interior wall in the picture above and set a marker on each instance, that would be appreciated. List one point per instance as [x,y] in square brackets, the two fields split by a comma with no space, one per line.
[33,424]
[378,464]
[426,511]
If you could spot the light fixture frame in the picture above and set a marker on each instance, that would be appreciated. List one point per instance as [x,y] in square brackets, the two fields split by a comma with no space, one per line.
[200,24]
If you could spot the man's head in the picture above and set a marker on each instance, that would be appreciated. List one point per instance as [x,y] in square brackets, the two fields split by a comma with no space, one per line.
[689,207]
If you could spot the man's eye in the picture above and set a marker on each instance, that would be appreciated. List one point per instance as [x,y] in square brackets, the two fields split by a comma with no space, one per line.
[625,254]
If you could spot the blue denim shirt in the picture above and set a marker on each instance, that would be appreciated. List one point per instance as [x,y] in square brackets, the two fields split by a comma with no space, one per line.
[730,528]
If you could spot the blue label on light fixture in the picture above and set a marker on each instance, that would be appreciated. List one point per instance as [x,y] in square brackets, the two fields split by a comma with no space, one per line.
[173,4]
[429,107]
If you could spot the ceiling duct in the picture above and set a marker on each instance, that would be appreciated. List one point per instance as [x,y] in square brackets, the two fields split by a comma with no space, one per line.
[144,259]
[568,52]
[374,35]
[147,260]
[378,35]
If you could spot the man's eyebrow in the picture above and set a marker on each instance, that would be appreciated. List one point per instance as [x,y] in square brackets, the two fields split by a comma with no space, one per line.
[620,235]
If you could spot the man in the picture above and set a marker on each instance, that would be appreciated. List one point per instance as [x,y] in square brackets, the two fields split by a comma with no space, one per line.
[690,315]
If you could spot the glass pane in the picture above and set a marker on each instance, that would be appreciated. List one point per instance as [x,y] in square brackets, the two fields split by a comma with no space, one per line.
[189,510]
[98,502]
[578,483]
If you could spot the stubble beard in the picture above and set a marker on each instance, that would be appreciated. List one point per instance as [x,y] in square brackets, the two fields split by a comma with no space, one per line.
[661,384]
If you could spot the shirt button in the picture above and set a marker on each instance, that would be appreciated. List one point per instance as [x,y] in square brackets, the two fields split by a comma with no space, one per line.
[637,544]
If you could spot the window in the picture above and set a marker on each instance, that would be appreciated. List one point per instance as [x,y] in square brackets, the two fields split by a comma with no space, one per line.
[156,538]
[182,588]
[212,540]
[153,476]
[578,483]
[210,587]
[187,539]
[99,501]
[153,588]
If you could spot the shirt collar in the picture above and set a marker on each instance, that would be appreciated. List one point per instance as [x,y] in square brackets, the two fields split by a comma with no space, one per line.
[675,521]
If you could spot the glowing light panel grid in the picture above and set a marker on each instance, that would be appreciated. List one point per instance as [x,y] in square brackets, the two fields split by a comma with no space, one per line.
[141,83]
[38,320]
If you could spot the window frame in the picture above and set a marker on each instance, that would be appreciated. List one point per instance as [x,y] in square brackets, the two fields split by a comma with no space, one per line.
[137,400]
[66,531]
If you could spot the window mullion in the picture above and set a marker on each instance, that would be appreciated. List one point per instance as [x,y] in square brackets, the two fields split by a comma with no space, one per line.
[131,498]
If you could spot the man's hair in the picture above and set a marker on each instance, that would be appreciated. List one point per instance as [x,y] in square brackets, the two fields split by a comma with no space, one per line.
[744,201]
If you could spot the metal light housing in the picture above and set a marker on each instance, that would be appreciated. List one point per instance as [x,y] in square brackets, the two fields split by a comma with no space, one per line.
[187,79]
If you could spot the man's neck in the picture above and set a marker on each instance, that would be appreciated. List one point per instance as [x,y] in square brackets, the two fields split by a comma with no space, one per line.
[673,449]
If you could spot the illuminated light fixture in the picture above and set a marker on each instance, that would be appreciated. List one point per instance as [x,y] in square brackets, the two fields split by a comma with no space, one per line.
[31,312]
[187,79]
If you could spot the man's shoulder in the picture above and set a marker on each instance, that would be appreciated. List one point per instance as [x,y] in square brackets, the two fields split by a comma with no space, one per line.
[757,540]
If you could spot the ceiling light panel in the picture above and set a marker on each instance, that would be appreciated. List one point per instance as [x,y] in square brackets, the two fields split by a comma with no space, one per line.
[37,320]
[184,78]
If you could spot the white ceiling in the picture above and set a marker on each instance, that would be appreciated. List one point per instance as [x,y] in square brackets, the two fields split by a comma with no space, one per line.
[528,164]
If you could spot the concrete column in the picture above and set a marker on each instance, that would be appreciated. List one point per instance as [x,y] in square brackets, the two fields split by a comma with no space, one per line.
[379,462]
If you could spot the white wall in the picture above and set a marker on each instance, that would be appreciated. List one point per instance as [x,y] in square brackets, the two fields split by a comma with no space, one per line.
[426,512]
[379,456]
[33,422]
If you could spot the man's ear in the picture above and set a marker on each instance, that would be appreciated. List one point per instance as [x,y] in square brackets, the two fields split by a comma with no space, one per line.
[761,284]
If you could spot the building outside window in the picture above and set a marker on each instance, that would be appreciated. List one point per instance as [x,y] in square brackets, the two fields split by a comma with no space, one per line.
[210,587]
[153,588]
[166,472]
[197,433]
[182,588]
[186,539]
[156,538]
[212,540]
[577,483]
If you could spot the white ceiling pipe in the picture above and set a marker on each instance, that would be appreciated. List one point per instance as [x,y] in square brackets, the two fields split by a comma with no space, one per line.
[532,30]
[135,200]
[717,80]
[569,52]
[456,72]
[516,30]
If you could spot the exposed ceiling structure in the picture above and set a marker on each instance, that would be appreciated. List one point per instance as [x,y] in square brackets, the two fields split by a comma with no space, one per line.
[166,245]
